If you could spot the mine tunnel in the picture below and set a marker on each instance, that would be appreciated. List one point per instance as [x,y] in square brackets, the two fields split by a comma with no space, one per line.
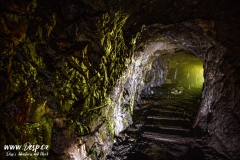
[164,115]
[120,79]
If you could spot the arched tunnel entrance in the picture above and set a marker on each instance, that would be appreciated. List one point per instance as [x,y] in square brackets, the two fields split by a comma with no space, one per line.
[157,132]
[163,118]
[176,115]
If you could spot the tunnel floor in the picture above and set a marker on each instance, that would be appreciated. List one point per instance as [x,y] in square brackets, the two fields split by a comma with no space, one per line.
[162,128]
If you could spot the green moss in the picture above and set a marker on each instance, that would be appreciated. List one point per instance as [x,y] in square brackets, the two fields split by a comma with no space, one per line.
[12,18]
[51,26]
[93,90]
[8,50]
[39,112]
[79,128]
[110,125]
[35,133]
[83,130]
[30,49]
[114,46]
[47,124]
[67,105]
[32,6]
[39,32]
[40,132]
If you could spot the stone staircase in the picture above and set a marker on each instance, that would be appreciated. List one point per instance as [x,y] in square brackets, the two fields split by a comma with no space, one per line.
[165,131]
[167,123]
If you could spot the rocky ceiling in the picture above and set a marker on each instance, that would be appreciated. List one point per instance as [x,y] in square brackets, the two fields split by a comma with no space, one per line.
[64,65]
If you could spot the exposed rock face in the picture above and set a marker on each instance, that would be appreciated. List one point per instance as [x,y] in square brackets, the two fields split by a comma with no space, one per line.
[71,70]
[59,62]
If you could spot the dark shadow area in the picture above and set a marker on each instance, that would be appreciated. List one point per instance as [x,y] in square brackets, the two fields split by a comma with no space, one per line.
[194,153]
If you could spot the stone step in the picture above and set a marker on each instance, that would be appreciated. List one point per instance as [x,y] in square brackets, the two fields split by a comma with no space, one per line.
[169,125]
[166,108]
[176,111]
[167,138]
[175,120]
[167,130]
[166,113]
[184,105]
[175,106]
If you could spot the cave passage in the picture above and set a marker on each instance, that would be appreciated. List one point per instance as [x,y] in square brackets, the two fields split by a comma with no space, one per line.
[162,122]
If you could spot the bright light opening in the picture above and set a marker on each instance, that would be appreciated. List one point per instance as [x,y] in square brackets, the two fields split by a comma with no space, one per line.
[185,69]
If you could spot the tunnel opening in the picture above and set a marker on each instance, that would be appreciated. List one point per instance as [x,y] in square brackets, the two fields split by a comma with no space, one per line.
[170,107]
[163,118]
[175,72]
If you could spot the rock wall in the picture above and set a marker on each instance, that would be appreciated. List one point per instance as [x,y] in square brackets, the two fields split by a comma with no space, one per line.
[60,60]
[156,76]
[143,75]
